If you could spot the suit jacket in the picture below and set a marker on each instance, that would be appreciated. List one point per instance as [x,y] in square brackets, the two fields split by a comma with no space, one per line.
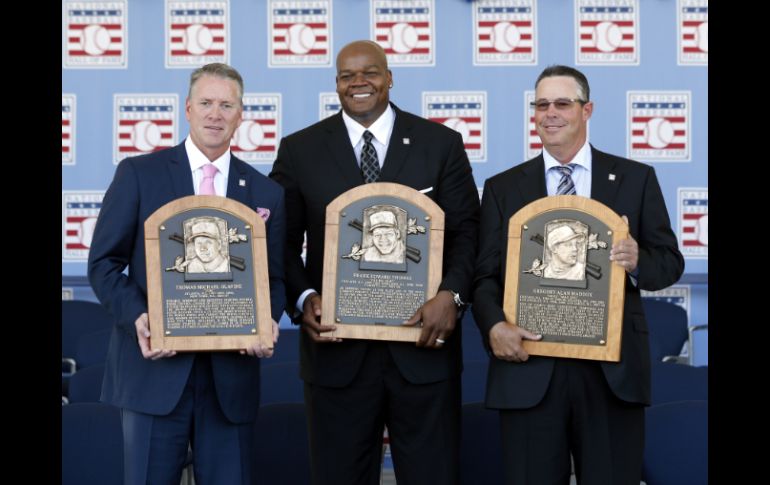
[317,164]
[634,192]
[142,185]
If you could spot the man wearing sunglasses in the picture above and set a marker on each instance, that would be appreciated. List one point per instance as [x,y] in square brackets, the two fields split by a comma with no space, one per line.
[552,408]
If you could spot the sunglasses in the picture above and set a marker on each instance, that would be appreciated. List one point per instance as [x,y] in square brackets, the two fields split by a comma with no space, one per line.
[560,103]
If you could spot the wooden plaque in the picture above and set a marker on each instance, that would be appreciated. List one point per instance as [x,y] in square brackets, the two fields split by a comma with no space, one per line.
[382,261]
[207,279]
[559,281]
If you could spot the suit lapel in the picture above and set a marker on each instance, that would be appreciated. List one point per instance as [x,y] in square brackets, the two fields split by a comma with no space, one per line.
[342,152]
[532,185]
[181,175]
[605,181]
[398,150]
[237,181]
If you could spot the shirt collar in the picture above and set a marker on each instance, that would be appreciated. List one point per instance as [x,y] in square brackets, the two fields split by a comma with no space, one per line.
[582,158]
[381,128]
[198,159]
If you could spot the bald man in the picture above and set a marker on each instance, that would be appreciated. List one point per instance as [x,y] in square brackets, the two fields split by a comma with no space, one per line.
[356,387]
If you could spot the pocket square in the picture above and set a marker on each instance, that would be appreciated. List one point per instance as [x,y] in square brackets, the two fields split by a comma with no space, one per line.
[263,213]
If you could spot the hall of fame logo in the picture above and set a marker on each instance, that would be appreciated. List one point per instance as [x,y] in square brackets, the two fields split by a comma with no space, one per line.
[79,213]
[196,33]
[256,139]
[607,32]
[693,222]
[532,143]
[504,32]
[67,293]
[328,105]
[95,35]
[678,295]
[68,129]
[464,112]
[659,125]
[300,33]
[692,26]
[405,30]
[144,123]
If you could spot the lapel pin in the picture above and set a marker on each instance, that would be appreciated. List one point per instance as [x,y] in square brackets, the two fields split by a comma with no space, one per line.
[612,176]
[406,141]
[242,182]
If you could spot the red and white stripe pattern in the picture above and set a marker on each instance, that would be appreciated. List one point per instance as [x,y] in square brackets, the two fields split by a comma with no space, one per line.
[300,33]
[405,30]
[79,213]
[693,222]
[144,123]
[196,33]
[532,143]
[504,32]
[68,129]
[256,139]
[659,125]
[95,34]
[607,32]
[692,27]
[464,112]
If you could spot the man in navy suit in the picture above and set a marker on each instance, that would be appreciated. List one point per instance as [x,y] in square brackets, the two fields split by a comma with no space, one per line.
[551,408]
[354,388]
[209,400]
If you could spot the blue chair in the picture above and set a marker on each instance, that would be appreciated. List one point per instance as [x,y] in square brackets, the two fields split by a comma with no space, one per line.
[282,451]
[676,444]
[678,382]
[78,318]
[473,344]
[481,453]
[86,384]
[474,380]
[92,348]
[668,328]
[91,444]
[280,382]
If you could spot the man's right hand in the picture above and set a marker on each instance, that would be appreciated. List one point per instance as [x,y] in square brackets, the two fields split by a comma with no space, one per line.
[142,325]
[311,320]
[505,340]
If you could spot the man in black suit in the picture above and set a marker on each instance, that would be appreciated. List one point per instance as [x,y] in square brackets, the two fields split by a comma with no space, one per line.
[551,408]
[353,388]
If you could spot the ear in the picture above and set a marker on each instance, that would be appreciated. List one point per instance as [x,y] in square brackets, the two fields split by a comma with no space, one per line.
[588,110]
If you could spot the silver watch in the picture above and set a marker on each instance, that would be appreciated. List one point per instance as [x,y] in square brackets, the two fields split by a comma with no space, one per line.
[456,299]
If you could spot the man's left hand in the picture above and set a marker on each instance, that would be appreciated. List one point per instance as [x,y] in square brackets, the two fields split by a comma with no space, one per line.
[626,252]
[438,316]
[259,350]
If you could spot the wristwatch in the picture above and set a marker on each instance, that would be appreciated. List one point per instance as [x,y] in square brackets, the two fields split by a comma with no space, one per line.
[456,299]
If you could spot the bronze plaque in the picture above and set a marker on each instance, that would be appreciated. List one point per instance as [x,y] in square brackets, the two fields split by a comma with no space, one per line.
[207,278]
[382,260]
[559,280]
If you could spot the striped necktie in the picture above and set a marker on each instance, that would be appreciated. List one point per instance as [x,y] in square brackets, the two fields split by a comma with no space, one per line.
[566,184]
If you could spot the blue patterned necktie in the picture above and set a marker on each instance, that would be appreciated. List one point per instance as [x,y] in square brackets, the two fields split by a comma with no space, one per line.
[566,185]
[370,167]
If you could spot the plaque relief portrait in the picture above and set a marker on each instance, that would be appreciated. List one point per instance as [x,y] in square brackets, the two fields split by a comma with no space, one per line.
[204,240]
[564,252]
[386,237]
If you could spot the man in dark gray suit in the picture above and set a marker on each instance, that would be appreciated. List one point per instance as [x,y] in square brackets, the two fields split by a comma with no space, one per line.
[551,408]
[354,388]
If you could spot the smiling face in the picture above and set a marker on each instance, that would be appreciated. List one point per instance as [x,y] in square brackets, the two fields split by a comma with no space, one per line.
[214,111]
[363,81]
[566,252]
[563,130]
[385,239]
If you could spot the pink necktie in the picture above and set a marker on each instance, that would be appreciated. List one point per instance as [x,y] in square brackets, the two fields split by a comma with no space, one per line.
[207,182]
